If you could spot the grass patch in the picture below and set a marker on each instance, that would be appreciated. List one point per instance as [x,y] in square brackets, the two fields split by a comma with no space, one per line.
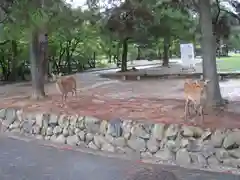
[103,64]
[229,64]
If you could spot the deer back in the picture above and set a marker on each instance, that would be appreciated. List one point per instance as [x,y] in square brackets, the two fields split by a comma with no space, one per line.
[193,90]
[66,84]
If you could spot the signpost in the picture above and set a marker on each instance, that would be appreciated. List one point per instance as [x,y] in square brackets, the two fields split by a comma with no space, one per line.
[187,56]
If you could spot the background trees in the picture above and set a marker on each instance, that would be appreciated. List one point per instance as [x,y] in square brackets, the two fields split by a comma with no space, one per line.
[53,37]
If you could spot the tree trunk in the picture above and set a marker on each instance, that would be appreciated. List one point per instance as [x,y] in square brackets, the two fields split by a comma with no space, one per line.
[218,46]
[94,59]
[118,53]
[110,56]
[14,72]
[68,59]
[37,71]
[209,55]
[138,53]
[45,60]
[165,52]
[124,55]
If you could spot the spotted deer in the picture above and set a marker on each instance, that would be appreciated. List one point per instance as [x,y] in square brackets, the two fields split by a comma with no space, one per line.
[65,84]
[194,92]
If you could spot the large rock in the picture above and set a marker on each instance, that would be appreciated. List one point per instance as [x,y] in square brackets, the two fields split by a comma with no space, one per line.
[2,113]
[172,145]
[71,130]
[10,117]
[115,128]
[194,146]
[43,131]
[26,127]
[92,124]
[183,157]
[184,143]
[14,125]
[187,131]
[53,120]
[158,131]
[73,120]
[49,131]
[89,137]
[206,135]
[36,129]
[45,120]
[146,154]
[192,131]
[119,142]
[99,140]
[127,126]
[57,130]
[165,155]
[197,131]
[103,127]
[137,144]
[80,123]
[92,146]
[60,139]
[108,147]
[39,119]
[213,161]
[231,140]
[73,140]
[198,159]
[231,162]
[153,145]
[207,150]
[217,139]
[63,121]
[140,131]
[65,131]
[221,154]
[235,153]
[82,135]
[19,114]
[172,131]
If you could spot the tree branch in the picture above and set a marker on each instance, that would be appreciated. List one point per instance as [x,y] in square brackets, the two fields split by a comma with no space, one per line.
[218,11]
[195,4]
[7,13]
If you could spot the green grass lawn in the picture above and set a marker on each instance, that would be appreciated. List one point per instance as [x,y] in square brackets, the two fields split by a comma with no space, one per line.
[229,64]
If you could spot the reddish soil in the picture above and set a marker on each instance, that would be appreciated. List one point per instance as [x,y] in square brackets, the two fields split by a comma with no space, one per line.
[130,100]
[156,110]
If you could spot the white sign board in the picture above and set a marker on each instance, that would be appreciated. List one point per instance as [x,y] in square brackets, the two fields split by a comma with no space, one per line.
[187,55]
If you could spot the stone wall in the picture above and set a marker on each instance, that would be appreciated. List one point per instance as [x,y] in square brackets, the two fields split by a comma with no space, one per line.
[180,144]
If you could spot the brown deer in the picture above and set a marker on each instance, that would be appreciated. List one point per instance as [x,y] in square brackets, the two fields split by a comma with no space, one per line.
[65,84]
[194,92]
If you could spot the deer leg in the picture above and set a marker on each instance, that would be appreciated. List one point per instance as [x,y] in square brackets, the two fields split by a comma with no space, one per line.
[186,110]
[65,97]
[74,92]
[192,108]
[201,114]
[62,100]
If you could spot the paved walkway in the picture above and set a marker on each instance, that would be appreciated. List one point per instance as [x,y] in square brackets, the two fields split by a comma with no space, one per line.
[20,160]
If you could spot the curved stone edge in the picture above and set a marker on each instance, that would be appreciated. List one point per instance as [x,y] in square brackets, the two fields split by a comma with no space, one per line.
[182,145]
[181,75]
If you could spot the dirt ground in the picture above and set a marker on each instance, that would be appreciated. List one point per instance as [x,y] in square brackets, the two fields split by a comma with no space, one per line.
[152,100]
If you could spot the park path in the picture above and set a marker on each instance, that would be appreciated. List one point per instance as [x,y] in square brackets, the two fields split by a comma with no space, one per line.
[28,159]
